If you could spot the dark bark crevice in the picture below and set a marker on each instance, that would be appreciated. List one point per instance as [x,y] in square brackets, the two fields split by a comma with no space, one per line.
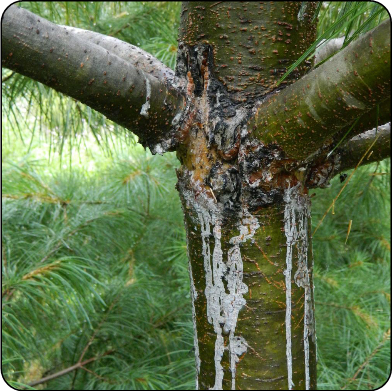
[234,169]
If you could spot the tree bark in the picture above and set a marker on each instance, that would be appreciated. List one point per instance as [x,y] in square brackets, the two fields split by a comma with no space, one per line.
[252,289]
[305,115]
[128,52]
[249,151]
[128,95]
[247,212]
[379,139]
[252,43]
[349,154]
[368,147]
[377,116]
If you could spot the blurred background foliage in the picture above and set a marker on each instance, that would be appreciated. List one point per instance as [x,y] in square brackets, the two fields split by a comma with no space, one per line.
[94,264]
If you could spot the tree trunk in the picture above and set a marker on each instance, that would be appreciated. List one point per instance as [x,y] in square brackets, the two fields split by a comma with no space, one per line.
[247,213]
[249,151]
[252,289]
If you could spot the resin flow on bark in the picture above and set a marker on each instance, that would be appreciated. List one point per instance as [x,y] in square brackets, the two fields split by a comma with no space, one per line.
[225,178]
[249,152]
[216,143]
[205,176]
[224,287]
[297,216]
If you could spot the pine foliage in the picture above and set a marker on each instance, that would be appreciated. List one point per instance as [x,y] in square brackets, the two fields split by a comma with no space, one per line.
[94,265]
[352,279]
[94,261]
[153,26]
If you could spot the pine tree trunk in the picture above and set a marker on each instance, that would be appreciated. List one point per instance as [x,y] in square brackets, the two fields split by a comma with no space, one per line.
[248,148]
[252,291]
[247,212]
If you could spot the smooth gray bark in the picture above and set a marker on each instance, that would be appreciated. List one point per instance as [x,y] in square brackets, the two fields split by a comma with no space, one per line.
[379,139]
[365,148]
[90,73]
[328,48]
[128,52]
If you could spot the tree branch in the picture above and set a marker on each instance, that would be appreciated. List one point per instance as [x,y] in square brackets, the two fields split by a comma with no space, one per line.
[68,370]
[351,152]
[360,150]
[369,120]
[90,341]
[128,52]
[328,48]
[80,365]
[303,116]
[386,337]
[5,78]
[50,54]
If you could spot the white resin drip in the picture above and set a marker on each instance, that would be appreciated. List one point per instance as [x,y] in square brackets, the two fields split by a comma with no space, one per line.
[301,278]
[234,302]
[289,226]
[222,307]
[146,106]
[314,335]
[296,227]
[195,340]
[214,286]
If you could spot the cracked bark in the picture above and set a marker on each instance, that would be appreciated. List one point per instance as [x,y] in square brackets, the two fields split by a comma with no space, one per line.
[243,180]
